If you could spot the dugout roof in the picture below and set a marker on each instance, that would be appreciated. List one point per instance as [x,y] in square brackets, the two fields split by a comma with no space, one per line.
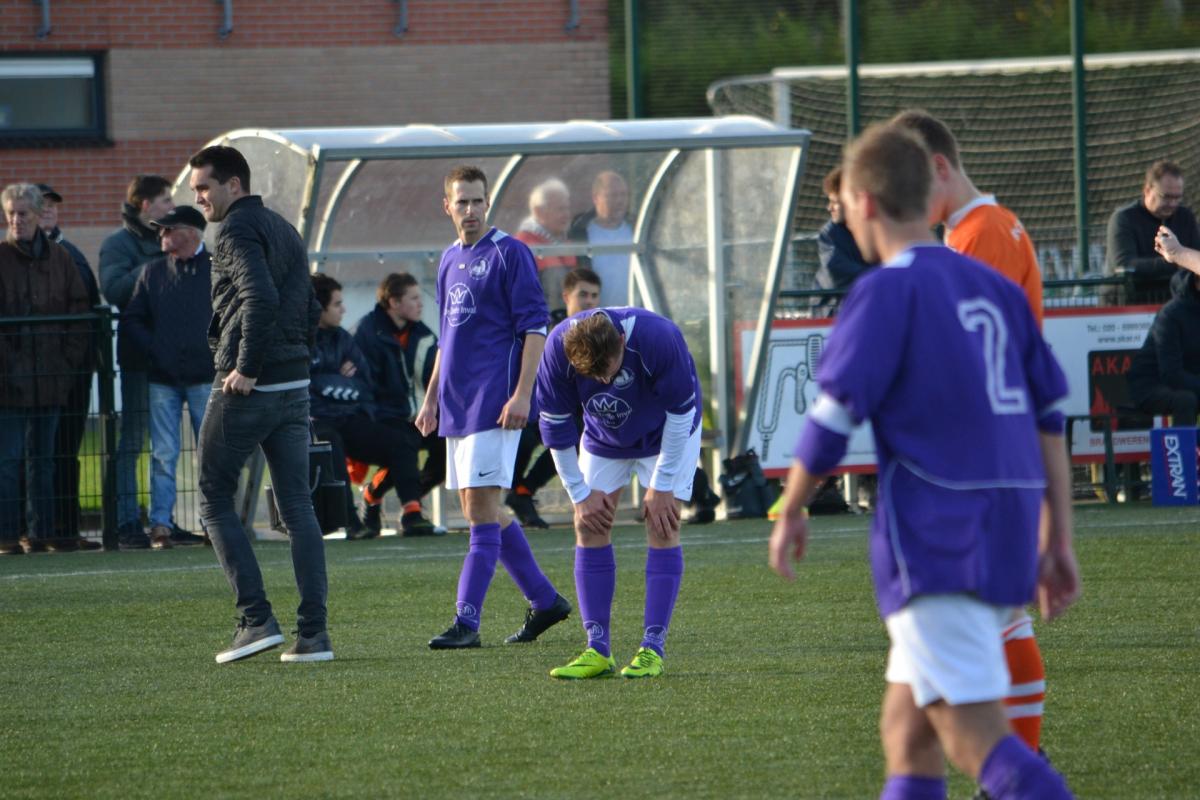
[711,202]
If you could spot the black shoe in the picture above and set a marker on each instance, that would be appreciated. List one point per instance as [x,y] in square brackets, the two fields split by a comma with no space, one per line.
[11,549]
[414,524]
[458,637]
[309,648]
[31,545]
[355,529]
[372,520]
[132,537]
[182,537]
[523,506]
[701,516]
[537,622]
[250,640]
[62,544]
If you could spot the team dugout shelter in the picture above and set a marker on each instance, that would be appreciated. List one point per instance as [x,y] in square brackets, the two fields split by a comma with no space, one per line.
[711,208]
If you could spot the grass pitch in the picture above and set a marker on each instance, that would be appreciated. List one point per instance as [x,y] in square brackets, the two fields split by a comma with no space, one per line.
[771,690]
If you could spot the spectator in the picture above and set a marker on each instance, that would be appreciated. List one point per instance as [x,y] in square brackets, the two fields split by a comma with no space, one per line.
[122,256]
[1165,375]
[73,420]
[167,318]
[400,350]
[840,261]
[1132,232]
[38,365]
[581,291]
[261,338]
[547,223]
[607,222]
[340,401]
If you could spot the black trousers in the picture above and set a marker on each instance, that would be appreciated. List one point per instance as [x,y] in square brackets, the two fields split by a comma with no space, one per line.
[1181,404]
[388,446]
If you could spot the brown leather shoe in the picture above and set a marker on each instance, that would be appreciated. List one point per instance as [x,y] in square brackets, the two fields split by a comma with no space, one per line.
[160,538]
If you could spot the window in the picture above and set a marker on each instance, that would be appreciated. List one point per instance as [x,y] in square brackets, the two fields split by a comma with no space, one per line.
[48,100]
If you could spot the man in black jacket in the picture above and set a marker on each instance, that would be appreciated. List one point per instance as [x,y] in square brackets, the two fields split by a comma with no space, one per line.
[167,318]
[1165,375]
[342,412]
[263,325]
[1132,230]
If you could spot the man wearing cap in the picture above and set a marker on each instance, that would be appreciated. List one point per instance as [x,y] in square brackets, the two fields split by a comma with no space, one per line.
[71,423]
[167,318]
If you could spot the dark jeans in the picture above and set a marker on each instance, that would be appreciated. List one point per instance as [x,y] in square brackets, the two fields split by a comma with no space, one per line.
[1180,404]
[27,444]
[430,476]
[371,442]
[233,426]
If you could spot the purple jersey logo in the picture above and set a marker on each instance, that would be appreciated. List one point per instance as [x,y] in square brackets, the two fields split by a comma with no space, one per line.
[478,268]
[609,409]
[461,306]
[622,379]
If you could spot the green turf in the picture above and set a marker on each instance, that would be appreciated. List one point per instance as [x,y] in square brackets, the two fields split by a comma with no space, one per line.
[771,689]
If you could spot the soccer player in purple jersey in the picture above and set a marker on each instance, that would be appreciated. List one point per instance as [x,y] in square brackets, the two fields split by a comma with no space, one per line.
[945,359]
[632,373]
[493,330]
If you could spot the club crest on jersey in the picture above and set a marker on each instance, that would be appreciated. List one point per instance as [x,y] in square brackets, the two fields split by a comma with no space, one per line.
[461,306]
[610,410]
[478,268]
[622,378]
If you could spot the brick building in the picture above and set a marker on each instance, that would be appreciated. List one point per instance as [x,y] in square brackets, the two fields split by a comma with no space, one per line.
[120,87]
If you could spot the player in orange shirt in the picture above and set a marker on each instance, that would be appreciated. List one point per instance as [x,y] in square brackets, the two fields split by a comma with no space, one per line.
[979,227]
[976,225]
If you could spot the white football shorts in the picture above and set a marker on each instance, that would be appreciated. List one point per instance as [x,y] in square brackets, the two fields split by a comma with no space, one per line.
[609,474]
[949,647]
[481,459]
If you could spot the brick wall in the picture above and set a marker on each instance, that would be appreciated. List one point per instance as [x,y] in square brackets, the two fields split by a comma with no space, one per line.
[173,84]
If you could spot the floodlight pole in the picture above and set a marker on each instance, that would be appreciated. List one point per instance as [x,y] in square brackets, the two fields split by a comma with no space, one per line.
[853,119]
[1079,122]
[633,96]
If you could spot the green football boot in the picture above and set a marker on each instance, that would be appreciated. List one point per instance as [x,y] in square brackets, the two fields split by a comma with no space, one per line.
[646,664]
[590,664]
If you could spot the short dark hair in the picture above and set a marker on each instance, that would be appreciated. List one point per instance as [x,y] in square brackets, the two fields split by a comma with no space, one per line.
[226,163]
[467,174]
[891,164]
[591,344]
[580,275]
[394,285]
[1162,167]
[932,132]
[324,287]
[145,187]
[833,181]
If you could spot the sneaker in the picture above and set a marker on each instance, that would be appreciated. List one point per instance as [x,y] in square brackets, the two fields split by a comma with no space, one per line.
[537,622]
[646,664]
[249,640]
[372,520]
[414,524]
[701,516]
[525,509]
[440,530]
[458,637]
[354,526]
[182,537]
[62,544]
[85,544]
[11,549]
[132,537]
[590,664]
[160,537]
[31,545]
[309,648]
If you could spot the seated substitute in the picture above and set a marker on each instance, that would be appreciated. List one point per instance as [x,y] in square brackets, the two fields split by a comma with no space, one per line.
[340,398]
[1165,375]
[631,371]
[840,261]
[400,349]
[955,547]
[1133,233]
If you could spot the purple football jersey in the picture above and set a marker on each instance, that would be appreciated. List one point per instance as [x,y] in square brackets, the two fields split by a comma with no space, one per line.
[942,354]
[622,419]
[489,297]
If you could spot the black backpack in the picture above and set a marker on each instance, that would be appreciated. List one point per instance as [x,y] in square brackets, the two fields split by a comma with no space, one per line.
[748,495]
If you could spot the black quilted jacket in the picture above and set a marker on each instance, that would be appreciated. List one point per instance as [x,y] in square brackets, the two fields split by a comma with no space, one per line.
[264,311]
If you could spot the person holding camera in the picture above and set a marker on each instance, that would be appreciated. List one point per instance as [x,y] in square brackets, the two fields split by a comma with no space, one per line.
[262,332]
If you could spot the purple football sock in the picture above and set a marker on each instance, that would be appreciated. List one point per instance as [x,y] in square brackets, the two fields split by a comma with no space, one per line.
[664,572]
[595,583]
[913,787]
[1014,772]
[478,568]
[518,559]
